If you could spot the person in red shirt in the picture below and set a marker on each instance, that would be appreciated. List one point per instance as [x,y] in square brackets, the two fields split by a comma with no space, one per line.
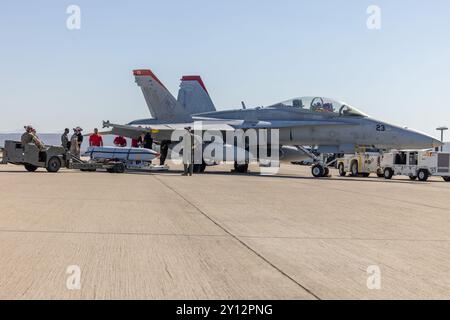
[95,140]
[120,141]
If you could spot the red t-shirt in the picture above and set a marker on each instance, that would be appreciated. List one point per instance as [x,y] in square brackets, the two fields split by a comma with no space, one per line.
[120,141]
[95,140]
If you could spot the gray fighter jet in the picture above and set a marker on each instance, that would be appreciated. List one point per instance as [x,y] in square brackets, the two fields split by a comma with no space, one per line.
[329,126]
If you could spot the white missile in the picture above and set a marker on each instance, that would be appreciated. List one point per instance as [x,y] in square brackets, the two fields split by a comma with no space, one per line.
[121,154]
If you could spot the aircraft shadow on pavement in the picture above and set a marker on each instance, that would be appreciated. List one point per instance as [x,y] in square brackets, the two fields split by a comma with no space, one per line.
[176,173]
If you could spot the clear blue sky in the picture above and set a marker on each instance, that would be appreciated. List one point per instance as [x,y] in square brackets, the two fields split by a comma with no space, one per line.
[258,51]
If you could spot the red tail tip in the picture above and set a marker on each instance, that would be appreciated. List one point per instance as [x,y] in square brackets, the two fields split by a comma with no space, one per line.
[195,78]
[147,73]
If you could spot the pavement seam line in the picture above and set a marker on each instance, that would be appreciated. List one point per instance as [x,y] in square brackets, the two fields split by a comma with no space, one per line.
[148,234]
[239,240]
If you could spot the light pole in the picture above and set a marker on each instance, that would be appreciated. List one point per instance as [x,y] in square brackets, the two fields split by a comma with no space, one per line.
[442,129]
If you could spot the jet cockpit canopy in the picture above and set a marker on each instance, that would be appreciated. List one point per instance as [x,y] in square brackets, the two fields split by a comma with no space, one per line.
[322,105]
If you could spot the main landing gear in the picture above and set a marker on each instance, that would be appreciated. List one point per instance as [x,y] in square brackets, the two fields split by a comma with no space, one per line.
[240,168]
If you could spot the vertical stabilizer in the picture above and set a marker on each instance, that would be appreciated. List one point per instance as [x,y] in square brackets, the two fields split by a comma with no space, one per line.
[194,96]
[160,101]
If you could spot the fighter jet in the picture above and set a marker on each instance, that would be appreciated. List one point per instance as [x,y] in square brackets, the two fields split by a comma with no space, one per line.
[329,126]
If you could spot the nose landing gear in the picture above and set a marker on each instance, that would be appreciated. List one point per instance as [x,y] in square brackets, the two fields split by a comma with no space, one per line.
[319,171]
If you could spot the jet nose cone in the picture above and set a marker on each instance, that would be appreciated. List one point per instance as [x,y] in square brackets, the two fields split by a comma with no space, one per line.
[412,139]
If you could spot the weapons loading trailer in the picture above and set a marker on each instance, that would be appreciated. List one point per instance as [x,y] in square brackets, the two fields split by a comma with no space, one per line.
[51,158]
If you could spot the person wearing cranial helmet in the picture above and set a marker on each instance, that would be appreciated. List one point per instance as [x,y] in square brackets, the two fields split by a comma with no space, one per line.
[30,136]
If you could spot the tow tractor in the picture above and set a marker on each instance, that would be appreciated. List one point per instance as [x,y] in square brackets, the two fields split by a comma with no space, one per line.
[51,158]
[416,164]
[362,163]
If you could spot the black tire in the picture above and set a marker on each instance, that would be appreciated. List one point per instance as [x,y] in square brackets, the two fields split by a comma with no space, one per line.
[413,178]
[119,168]
[110,170]
[380,175]
[423,175]
[53,165]
[326,172]
[354,169]
[388,173]
[365,175]
[240,168]
[446,179]
[317,171]
[341,169]
[30,167]
[199,168]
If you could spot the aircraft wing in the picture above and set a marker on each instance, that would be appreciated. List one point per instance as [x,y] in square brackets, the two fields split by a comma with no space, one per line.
[135,132]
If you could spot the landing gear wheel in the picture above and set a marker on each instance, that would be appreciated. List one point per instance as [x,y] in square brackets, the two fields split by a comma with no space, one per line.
[423,175]
[240,168]
[199,168]
[354,169]
[342,172]
[317,171]
[30,167]
[446,179]
[413,178]
[388,173]
[53,165]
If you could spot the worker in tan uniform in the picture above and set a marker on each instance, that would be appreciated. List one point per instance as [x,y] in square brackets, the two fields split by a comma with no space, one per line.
[27,137]
[30,136]
[35,139]
[189,145]
[75,142]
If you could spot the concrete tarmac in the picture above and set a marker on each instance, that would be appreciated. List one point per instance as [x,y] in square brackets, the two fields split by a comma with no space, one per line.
[222,236]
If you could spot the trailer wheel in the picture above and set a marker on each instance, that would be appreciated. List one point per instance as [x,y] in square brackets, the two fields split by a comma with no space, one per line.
[119,168]
[30,167]
[388,173]
[354,169]
[413,178]
[317,171]
[341,168]
[53,165]
[423,175]
[446,179]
